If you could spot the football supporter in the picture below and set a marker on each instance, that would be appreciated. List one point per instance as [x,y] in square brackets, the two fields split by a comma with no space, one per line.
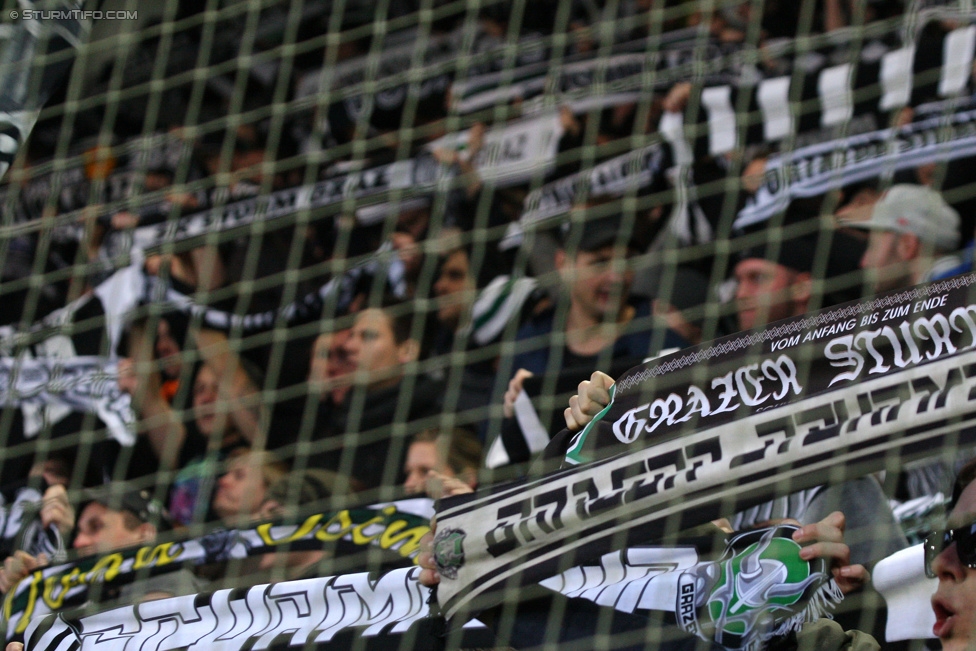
[774,282]
[442,463]
[912,233]
[597,321]
[107,522]
[379,349]
[950,556]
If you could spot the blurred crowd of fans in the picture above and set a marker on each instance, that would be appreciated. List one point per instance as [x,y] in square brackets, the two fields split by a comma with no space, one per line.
[411,373]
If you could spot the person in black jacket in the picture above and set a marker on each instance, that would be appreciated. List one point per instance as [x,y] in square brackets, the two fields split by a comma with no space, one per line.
[366,434]
[595,323]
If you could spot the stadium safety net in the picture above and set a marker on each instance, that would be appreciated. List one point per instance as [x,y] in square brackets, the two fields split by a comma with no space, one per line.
[282,280]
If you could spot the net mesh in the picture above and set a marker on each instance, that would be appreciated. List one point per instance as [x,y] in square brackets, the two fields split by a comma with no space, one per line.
[337,230]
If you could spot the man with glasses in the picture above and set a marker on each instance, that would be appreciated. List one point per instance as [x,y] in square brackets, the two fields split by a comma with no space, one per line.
[950,556]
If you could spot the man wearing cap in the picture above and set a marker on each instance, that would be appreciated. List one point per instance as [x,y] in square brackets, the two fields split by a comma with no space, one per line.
[912,229]
[773,282]
[911,232]
[111,521]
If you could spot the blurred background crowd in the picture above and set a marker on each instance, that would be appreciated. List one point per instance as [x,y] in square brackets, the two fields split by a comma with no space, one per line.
[358,236]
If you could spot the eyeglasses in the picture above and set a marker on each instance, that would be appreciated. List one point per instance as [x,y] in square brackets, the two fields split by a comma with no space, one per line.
[937,542]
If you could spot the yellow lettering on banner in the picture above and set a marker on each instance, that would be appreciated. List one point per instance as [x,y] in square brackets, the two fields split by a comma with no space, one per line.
[36,579]
[66,582]
[343,520]
[56,588]
[361,538]
[390,537]
[264,531]
[109,564]
[157,556]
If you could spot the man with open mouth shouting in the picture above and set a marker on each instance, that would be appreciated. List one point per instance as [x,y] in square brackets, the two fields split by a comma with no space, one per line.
[950,556]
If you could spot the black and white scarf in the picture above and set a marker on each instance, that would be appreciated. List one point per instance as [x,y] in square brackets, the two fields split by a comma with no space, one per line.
[396,528]
[754,589]
[724,426]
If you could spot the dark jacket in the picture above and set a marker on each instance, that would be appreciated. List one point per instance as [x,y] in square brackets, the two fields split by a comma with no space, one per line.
[381,423]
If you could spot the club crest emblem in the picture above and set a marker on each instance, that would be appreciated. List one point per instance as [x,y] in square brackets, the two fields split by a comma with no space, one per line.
[758,590]
[449,552]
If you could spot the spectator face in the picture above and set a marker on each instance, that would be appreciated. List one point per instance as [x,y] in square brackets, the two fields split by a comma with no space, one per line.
[101,529]
[409,253]
[167,350]
[248,154]
[205,394]
[328,358]
[373,351]
[54,472]
[753,175]
[414,222]
[954,602]
[886,260]
[422,457]
[329,362]
[767,292]
[319,369]
[453,287]
[241,490]
[599,282]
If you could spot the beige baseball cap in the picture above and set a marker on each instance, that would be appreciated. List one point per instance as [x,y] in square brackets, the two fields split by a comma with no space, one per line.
[918,210]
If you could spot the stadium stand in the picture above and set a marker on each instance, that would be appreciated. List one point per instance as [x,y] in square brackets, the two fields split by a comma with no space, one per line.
[252,251]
